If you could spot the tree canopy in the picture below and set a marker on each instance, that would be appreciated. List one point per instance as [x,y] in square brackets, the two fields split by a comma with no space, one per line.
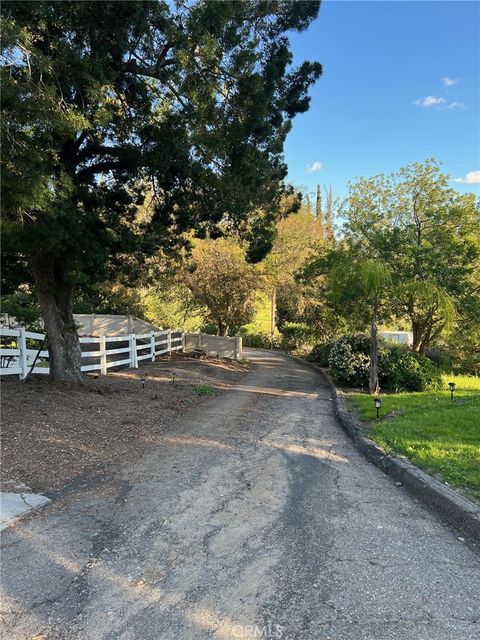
[428,235]
[104,103]
[223,283]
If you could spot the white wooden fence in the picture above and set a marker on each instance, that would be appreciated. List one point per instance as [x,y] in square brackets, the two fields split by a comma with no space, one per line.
[108,352]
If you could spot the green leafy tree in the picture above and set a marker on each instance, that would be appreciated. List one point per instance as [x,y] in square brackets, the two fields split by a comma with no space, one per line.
[324,310]
[168,302]
[114,298]
[430,309]
[429,236]
[107,102]
[296,238]
[22,308]
[223,284]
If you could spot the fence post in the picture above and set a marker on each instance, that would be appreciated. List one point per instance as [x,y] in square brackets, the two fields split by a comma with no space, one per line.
[152,345]
[22,345]
[103,355]
[183,341]
[169,341]
[238,348]
[133,350]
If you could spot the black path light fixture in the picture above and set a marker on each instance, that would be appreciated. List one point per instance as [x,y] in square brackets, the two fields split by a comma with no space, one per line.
[378,404]
[143,382]
[451,386]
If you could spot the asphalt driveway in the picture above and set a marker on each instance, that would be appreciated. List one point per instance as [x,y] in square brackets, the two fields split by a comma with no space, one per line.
[252,518]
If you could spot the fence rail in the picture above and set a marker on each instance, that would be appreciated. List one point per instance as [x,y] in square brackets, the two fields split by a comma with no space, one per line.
[99,352]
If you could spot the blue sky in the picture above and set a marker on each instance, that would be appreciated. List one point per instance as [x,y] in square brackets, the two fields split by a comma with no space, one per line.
[378,59]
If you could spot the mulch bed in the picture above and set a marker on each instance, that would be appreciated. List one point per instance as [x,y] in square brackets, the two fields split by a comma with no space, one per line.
[53,434]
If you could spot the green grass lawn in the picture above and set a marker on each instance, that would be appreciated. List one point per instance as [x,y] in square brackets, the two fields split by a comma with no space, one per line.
[438,435]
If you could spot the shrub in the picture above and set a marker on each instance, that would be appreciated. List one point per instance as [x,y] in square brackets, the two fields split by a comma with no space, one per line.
[23,308]
[320,353]
[408,371]
[349,362]
[441,358]
[399,369]
[254,338]
[296,335]
[470,364]
[210,329]
[457,356]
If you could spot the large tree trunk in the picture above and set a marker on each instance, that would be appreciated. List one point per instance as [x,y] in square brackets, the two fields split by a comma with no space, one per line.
[417,331]
[374,384]
[431,334]
[425,343]
[55,297]
[423,333]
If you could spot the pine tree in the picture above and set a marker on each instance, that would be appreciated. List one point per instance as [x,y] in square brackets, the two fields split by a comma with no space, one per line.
[106,102]
[329,232]
[319,214]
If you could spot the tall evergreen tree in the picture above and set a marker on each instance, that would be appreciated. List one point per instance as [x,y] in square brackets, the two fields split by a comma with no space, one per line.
[104,102]
[329,228]
[319,214]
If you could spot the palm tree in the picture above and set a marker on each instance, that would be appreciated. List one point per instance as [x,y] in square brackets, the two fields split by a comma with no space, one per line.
[365,281]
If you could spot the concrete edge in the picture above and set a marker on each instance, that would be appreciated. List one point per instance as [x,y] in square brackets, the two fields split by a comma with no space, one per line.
[460,512]
[14,506]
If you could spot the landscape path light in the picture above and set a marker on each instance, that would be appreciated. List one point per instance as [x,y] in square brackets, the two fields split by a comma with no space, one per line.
[451,386]
[378,404]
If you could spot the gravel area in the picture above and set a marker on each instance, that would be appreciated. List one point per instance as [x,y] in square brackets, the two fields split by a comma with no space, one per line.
[53,435]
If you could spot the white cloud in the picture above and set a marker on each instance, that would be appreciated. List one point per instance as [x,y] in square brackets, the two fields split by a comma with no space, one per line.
[456,105]
[310,168]
[435,101]
[429,101]
[449,82]
[472,177]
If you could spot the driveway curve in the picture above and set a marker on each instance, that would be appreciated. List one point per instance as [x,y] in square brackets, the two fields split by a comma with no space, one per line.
[253,518]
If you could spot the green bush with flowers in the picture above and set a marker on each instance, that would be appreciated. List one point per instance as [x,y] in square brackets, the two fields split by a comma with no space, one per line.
[399,368]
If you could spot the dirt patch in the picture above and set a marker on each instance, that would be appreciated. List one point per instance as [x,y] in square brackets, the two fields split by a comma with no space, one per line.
[54,435]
